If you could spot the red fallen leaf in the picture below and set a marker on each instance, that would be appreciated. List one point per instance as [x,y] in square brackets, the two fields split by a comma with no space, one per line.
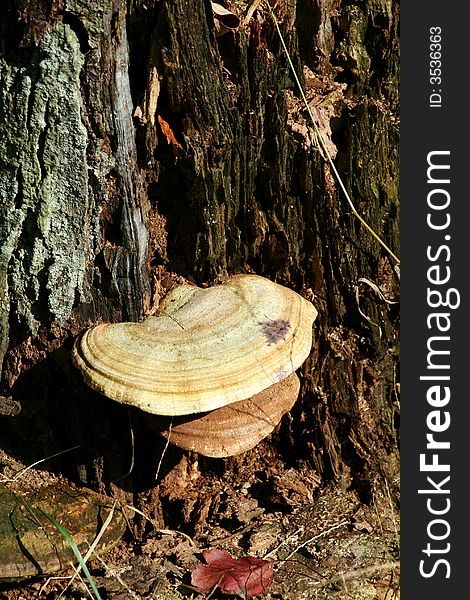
[249,575]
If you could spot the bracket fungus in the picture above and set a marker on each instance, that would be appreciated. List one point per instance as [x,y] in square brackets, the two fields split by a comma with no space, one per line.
[205,349]
[231,429]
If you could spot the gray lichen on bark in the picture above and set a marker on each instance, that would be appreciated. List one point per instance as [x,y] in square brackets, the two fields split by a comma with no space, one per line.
[43,184]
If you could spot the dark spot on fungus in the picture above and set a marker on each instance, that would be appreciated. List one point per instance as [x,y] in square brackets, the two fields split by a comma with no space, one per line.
[274,330]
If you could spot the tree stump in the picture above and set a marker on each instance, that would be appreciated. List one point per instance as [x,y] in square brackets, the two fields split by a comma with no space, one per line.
[138,149]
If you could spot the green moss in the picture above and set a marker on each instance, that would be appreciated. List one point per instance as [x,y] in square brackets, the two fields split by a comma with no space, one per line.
[92,15]
[354,42]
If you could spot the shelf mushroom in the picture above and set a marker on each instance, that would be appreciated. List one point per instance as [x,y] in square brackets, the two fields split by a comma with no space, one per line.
[206,349]
[231,429]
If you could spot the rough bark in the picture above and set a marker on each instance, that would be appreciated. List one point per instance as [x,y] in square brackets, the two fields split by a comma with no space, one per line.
[137,147]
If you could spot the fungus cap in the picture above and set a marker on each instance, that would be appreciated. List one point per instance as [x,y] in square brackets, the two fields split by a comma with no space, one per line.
[206,348]
[231,429]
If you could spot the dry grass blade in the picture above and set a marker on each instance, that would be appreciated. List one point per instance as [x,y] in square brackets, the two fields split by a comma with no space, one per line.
[315,537]
[79,576]
[164,451]
[118,578]
[66,534]
[96,541]
[323,144]
[24,470]
[376,289]
[159,530]
[284,542]
[379,293]
[131,466]
[357,573]
[48,581]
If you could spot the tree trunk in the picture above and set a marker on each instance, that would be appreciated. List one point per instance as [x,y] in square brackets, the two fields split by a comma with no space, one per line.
[138,148]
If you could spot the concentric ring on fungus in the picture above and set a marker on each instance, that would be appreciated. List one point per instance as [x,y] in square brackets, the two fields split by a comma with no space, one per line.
[206,347]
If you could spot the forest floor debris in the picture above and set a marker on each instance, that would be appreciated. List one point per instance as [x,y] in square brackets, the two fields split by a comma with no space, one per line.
[325,543]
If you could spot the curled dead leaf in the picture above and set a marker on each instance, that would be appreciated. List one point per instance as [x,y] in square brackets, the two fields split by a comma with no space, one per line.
[224,19]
